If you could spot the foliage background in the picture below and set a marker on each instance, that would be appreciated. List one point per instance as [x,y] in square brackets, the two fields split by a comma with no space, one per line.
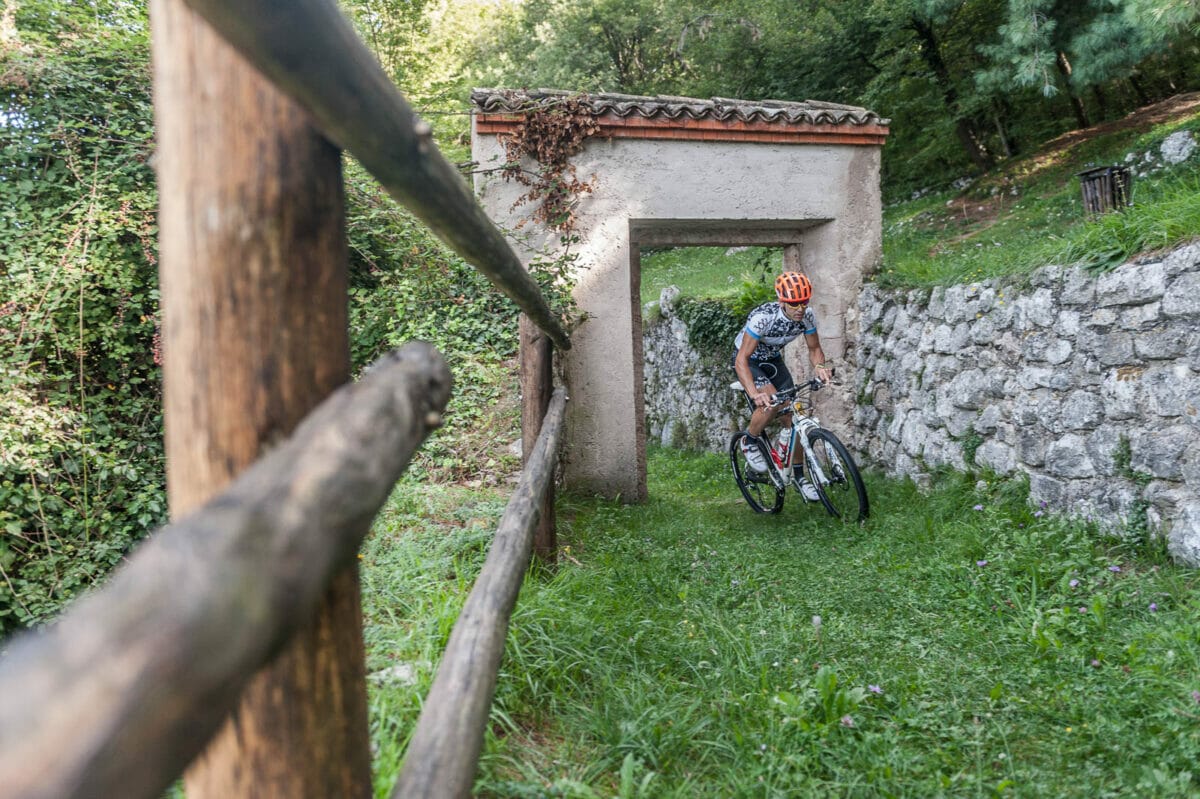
[969,85]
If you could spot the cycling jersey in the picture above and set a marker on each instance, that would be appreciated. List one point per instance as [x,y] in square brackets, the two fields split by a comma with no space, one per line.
[772,330]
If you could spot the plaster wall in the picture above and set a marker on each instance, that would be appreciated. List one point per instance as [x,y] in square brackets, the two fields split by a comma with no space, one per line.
[823,199]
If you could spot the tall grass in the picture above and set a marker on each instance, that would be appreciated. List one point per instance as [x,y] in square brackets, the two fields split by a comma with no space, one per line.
[959,644]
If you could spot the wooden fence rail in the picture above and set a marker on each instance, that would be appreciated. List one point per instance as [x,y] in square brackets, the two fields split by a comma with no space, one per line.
[124,691]
[310,51]
[119,695]
[444,751]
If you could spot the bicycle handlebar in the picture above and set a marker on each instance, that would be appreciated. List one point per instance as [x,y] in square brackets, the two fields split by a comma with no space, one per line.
[786,396]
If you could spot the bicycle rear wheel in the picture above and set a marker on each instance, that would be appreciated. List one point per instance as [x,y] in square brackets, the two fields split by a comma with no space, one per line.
[842,492]
[761,494]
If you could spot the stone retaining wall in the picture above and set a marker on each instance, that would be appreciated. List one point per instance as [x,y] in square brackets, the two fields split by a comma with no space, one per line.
[688,403]
[1089,386]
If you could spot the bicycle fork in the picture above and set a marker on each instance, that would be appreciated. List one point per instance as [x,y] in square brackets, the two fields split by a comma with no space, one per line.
[800,429]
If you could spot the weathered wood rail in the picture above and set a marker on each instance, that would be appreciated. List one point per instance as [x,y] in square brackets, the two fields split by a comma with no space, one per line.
[240,621]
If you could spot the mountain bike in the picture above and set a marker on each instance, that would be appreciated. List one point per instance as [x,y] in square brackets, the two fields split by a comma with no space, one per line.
[813,454]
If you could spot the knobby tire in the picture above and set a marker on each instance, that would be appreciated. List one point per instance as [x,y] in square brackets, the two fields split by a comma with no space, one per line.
[756,487]
[845,489]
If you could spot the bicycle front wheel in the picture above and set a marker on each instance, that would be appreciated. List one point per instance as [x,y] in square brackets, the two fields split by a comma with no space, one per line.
[761,494]
[841,489]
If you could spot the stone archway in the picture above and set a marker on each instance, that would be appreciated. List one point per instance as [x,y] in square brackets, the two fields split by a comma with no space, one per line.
[802,176]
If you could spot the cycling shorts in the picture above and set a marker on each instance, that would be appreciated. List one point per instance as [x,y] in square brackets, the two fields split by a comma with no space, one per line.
[770,371]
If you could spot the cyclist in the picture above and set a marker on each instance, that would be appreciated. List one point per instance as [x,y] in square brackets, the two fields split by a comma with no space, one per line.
[758,357]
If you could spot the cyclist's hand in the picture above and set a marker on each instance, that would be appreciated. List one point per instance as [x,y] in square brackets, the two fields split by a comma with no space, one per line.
[762,399]
[824,374]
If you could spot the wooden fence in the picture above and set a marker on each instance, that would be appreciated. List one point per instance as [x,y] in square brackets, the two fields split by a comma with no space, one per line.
[231,640]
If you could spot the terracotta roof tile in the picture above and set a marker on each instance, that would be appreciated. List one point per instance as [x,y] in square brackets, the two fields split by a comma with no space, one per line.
[724,109]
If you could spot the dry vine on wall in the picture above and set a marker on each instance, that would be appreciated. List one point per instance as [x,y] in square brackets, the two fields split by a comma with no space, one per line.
[551,134]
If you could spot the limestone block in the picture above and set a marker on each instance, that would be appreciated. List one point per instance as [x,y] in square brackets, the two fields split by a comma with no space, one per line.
[881,398]
[1046,346]
[1067,457]
[1086,371]
[937,303]
[1183,538]
[1160,452]
[940,368]
[1110,349]
[865,417]
[1102,445]
[1177,147]
[1171,392]
[1030,448]
[1190,467]
[989,419]
[887,322]
[1034,311]
[1079,288]
[1139,317]
[983,330]
[949,340]
[1067,323]
[1047,276]
[1082,410]
[1002,315]
[1101,319]
[667,298]
[1167,341]
[1121,393]
[996,456]
[954,304]
[913,435]
[1182,260]
[920,339]
[1131,284]
[1043,488]
[1165,496]
[941,450]
[1182,299]
[972,389]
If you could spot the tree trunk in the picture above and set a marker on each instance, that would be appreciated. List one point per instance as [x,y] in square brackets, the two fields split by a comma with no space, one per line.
[1008,144]
[254,302]
[964,128]
[1064,69]
[1101,101]
[1139,90]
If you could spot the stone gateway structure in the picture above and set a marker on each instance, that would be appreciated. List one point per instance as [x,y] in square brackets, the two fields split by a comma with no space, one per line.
[671,171]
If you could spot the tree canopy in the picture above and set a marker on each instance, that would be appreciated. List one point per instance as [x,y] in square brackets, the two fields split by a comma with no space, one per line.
[966,82]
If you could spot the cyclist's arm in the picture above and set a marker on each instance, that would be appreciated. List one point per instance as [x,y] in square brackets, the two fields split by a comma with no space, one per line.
[817,356]
[741,366]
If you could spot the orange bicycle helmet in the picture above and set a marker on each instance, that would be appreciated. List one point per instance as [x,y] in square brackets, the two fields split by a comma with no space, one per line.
[793,287]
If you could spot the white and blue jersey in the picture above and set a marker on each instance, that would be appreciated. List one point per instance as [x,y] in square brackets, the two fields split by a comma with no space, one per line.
[772,330]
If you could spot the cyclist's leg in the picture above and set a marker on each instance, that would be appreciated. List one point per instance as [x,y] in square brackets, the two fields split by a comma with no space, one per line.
[761,416]
[783,382]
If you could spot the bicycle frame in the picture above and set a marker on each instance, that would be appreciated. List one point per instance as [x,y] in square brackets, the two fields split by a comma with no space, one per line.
[803,421]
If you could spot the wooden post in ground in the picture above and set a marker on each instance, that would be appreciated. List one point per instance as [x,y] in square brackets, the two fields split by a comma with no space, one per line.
[254,306]
[537,386]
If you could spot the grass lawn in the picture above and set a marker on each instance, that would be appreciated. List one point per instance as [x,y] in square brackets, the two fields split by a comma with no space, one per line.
[959,644]
[708,271]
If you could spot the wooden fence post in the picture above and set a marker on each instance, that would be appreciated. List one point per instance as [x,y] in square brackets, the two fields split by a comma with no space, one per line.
[254,301]
[537,386]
